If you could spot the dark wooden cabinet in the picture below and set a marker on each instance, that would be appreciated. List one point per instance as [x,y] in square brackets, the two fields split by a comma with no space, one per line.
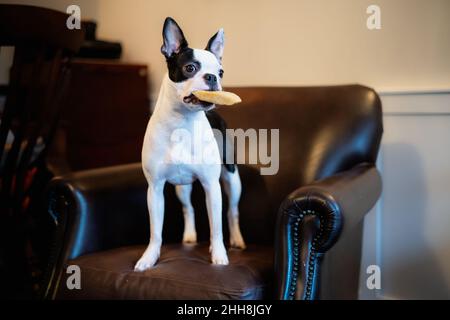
[105,115]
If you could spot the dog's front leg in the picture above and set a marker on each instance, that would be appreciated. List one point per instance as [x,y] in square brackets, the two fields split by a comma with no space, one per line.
[214,207]
[155,203]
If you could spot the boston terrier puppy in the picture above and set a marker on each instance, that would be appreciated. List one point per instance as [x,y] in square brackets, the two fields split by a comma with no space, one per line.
[179,112]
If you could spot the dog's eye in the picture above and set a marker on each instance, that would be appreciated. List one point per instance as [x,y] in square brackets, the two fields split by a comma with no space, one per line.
[221,73]
[190,68]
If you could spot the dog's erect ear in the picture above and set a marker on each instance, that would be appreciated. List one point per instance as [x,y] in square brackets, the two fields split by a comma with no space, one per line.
[173,38]
[216,44]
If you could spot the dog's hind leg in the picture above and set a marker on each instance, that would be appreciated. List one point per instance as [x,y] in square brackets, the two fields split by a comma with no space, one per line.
[231,182]
[184,194]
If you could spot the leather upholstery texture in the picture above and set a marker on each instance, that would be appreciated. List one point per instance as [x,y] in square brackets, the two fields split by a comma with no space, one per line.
[309,213]
[183,272]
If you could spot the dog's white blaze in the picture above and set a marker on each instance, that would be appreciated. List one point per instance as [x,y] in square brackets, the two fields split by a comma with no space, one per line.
[208,60]
[209,64]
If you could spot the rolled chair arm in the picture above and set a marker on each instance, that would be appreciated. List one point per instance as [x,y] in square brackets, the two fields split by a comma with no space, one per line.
[311,220]
[100,208]
[95,210]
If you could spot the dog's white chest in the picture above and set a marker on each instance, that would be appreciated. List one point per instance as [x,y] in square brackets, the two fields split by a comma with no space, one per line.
[180,154]
[179,174]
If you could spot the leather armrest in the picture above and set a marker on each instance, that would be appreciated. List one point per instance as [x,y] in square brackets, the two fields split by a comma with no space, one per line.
[99,209]
[310,222]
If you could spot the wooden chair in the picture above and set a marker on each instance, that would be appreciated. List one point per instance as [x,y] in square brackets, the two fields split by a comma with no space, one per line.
[43,46]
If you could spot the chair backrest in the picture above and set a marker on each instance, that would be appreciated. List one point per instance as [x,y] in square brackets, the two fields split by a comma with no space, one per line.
[42,46]
[322,130]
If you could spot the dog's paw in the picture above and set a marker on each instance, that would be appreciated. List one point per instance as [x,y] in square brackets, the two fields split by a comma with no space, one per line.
[147,261]
[236,239]
[219,254]
[190,237]
[238,243]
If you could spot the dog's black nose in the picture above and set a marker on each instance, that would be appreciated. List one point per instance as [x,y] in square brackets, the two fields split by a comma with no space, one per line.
[210,79]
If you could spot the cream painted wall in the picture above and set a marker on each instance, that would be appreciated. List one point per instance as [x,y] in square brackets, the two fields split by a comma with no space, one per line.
[290,42]
[297,42]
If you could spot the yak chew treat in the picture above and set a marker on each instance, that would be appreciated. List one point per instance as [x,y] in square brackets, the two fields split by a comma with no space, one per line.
[218,97]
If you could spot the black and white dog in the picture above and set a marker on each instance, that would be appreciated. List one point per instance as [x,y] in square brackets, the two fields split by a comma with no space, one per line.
[164,160]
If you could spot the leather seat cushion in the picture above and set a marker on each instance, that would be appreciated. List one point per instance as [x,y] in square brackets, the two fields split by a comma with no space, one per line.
[182,272]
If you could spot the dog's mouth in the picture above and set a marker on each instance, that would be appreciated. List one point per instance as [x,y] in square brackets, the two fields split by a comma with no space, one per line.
[196,101]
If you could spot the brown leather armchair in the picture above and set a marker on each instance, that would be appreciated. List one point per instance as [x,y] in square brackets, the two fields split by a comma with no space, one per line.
[303,226]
